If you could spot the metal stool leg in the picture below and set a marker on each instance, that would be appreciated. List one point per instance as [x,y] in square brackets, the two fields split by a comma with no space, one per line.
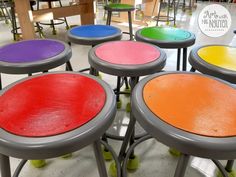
[130,25]
[184,59]
[126,83]
[5,166]
[67,26]
[0,82]
[51,21]
[178,59]
[69,66]
[192,69]
[159,13]
[118,92]
[229,165]
[99,158]
[130,129]
[182,165]
[109,13]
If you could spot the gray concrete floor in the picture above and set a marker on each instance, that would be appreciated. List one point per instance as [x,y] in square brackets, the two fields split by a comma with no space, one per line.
[154,157]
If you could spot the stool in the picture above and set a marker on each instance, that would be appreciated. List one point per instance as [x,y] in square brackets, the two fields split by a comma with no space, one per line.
[51,21]
[167,18]
[127,59]
[117,7]
[202,127]
[48,123]
[215,60]
[31,56]
[169,38]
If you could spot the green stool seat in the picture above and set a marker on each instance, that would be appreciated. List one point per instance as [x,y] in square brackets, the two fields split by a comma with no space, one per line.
[169,38]
[119,7]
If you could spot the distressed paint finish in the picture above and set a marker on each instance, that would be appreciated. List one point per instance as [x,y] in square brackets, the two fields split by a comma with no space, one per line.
[221,56]
[193,103]
[50,105]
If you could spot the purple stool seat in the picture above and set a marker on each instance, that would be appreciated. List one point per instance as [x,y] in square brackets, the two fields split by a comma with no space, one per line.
[32,56]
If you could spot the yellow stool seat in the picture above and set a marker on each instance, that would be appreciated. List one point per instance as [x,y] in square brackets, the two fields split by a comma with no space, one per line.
[216,60]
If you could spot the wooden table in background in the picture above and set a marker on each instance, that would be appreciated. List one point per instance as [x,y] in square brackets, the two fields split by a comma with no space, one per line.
[27,17]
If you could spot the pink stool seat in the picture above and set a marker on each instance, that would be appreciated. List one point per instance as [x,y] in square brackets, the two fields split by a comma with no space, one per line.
[50,105]
[127,53]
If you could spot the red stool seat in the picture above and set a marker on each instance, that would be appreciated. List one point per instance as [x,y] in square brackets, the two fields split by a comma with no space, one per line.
[51,105]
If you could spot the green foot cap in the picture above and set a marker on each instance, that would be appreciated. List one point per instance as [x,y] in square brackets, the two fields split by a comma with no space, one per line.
[230,174]
[128,107]
[38,163]
[174,152]
[107,155]
[119,104]
[67,156]
[112,170]
[133,163]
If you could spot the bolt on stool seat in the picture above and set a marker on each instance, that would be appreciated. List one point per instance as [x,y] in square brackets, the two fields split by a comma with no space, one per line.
[127,59]
[118,7]
[215,60]
[202,126]
[31,56]
[168,38]
[49,124]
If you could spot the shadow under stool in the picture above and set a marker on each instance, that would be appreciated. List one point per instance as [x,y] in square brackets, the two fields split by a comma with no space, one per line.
[47,124]
[217,61]
[129,59]
[31,56]
[202,126]
[168,38]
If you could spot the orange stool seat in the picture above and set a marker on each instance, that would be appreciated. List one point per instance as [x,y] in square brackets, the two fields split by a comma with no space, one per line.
[216,60]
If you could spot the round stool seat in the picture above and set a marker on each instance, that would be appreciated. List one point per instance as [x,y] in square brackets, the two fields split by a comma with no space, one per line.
[93,34]
[127,58]
[215,60]
[33,56]
[166,37]
[119,7]
[61,112]
[203,125]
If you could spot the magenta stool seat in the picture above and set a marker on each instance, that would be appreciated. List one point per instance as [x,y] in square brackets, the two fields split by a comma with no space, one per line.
[30,56]
[47,123]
